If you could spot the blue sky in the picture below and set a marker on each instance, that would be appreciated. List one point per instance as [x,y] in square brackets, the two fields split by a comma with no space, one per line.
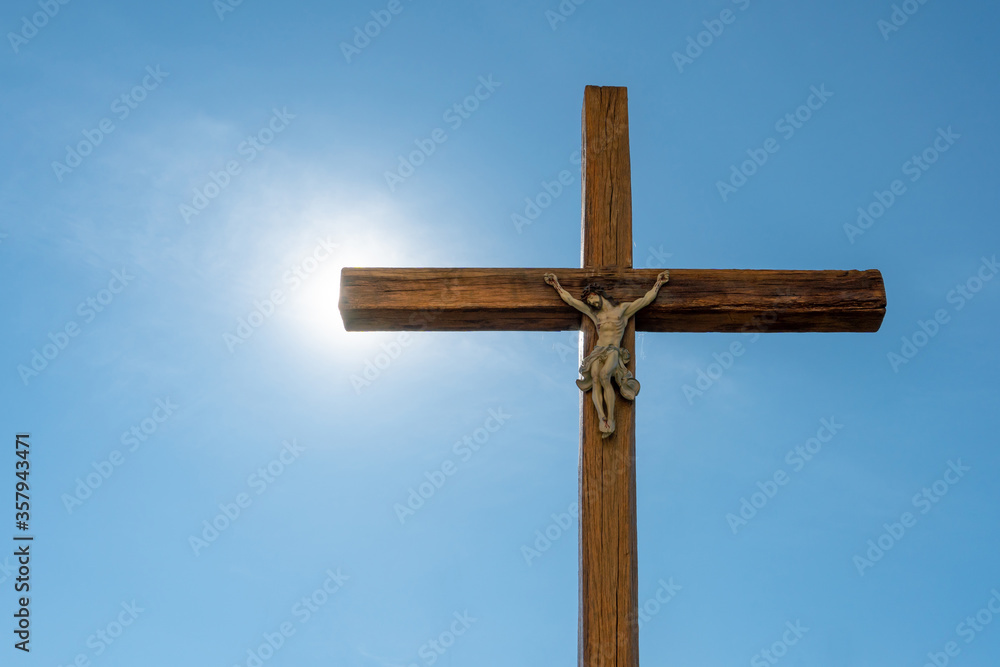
[183,182]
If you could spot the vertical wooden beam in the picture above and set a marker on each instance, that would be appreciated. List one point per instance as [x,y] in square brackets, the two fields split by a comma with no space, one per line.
[609,635]
[607,180]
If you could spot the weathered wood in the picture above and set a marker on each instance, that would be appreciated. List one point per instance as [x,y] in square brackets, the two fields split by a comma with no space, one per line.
[609,603]
[606,232]
[693,300]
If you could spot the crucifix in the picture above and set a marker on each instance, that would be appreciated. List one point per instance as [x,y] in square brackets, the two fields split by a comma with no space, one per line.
[475,299]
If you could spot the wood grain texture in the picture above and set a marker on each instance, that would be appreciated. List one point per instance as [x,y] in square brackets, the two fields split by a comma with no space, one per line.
[608,629]
[694,300]
[606,180]
[471,299]
[608,632]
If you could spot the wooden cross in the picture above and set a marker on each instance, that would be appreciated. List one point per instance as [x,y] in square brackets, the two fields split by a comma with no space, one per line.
[694,300]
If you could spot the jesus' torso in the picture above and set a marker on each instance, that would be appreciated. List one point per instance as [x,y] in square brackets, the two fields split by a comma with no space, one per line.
[610,325]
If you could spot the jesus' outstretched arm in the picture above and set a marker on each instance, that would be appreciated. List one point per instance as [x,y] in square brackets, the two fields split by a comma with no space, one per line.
[550,279]
[637,305]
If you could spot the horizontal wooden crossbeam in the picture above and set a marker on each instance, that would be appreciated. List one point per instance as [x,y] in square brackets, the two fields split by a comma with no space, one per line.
[374,299]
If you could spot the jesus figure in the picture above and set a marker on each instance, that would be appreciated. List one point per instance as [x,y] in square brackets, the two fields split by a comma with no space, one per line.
[608,359]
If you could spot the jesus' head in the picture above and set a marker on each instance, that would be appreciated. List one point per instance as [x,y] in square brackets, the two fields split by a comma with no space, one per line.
[595,297]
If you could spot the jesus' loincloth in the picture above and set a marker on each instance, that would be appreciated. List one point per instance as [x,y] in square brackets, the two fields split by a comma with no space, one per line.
[627,385]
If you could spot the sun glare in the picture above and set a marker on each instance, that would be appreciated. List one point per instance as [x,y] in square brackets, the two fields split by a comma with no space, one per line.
[314,305]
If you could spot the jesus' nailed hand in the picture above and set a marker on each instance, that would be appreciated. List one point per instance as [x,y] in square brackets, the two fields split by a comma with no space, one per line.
[608,359]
